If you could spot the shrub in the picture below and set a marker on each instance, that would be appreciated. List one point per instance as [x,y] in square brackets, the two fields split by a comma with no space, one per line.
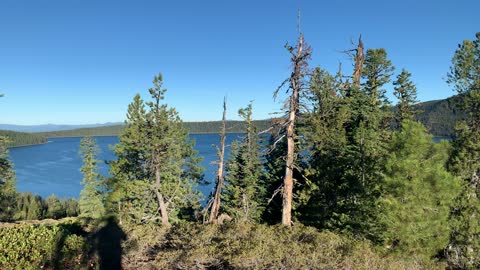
[37,246]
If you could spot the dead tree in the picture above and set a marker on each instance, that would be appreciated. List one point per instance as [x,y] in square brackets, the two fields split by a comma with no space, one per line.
[300,54]
[221,154]
[359,59]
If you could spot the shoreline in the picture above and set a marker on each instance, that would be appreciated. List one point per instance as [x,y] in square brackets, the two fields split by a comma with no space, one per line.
[25,145]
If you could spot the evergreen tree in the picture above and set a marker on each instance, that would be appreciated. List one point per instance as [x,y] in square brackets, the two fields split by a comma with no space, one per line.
[348,136]
[406,92]
[157,168]
[377,70]
[464,247]
[29,207]
[54,208]
[325,135]
[91,201]
[244,195]
[7,184]
[417,193]
[72,208]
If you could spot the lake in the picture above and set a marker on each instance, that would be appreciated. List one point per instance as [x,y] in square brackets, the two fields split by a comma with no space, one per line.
[54,167]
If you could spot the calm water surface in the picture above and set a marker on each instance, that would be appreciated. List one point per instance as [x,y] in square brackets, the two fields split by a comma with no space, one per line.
[54,168]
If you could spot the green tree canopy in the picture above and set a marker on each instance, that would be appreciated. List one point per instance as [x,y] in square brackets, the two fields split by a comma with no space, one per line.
[91,202]
[157,169]
[417,193]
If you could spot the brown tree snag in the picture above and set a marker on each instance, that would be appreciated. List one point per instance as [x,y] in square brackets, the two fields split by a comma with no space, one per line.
[221,153]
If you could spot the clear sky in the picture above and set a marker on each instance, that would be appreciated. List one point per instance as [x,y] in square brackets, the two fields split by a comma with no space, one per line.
[82,61]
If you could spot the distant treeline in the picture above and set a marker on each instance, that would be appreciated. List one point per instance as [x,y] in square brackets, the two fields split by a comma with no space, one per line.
[32,207]
[192,127]
[22,138]
[439,116]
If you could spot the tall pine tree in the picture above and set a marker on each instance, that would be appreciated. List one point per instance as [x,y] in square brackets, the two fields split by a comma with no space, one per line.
[406,93]
[157,168]
[464,248]
[92,196]
[244,194]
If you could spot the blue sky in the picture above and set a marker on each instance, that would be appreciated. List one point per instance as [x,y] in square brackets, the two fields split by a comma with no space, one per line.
[82,61]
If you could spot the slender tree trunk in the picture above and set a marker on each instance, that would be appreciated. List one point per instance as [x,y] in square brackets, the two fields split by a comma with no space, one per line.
[290,159]
[160,200]
[221,154]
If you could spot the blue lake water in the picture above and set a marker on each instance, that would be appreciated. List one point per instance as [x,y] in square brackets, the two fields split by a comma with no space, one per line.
[54,167]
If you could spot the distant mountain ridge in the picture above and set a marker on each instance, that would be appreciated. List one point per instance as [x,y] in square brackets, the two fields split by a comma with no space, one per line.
[52,127]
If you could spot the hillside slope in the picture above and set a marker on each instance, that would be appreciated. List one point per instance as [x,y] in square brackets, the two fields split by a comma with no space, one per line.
[440,116]
[192,127]
[22,138]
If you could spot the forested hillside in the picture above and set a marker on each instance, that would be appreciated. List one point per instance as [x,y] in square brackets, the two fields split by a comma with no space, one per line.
[22,138]
[440,116]
[192,127]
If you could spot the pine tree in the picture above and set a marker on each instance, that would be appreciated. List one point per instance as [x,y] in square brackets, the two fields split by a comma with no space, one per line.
[348,134]
[157,168]
[464,247]
[91,201]
[7,184]
[417,193]
[326,139]
[406,92]
[54,208]
[377,71]
[244,194]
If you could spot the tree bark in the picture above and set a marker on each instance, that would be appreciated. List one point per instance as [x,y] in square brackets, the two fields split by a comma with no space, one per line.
[160,200]
[359,59]
[221,153]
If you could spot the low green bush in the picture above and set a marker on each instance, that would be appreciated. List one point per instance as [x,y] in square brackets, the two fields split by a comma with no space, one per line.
[253,246]
[40,246]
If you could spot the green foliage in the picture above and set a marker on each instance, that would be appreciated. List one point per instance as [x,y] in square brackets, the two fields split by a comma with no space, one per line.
[253,246]
[377,70]
[37,246]
[29,207]
[156,154]
[417,194]
[22,138]
[54,208]
[326,138]
[347,133]
[91,202]
[7,183]
[406,92]
[244,195]
[464,248]
[33,207]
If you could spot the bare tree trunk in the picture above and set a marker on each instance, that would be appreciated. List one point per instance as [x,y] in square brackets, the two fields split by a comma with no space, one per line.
[359,59]
[160,200]
[221,154]
[290,159]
